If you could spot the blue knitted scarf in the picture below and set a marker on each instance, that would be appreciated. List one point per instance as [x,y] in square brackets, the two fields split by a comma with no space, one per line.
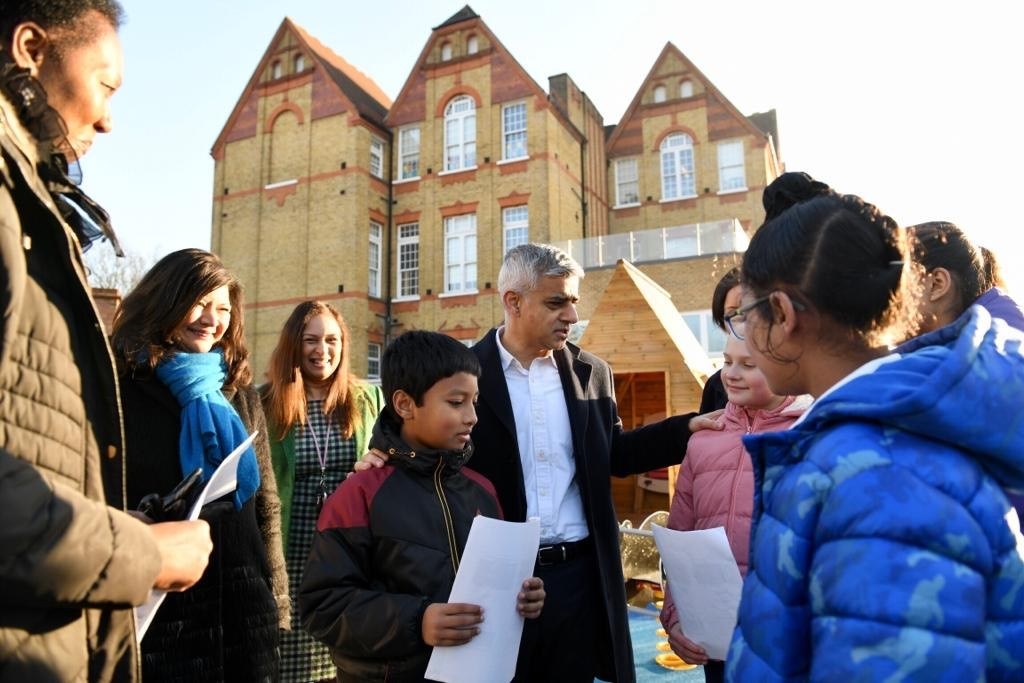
[210,426]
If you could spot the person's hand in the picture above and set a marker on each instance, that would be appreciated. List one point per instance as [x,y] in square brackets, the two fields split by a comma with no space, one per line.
[450,623]
[707,421]
[184,551]
[689,651]
[372,458]
[530,600]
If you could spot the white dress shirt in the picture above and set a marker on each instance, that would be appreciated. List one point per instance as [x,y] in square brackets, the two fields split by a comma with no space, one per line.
[545,446]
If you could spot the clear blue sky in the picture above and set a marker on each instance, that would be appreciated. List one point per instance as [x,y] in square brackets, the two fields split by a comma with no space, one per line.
[913,105]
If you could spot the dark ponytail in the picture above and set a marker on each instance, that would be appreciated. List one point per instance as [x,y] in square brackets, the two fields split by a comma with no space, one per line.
[837,253]
[939,244]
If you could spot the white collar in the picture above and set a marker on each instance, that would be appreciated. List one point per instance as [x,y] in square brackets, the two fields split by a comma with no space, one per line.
[507,359]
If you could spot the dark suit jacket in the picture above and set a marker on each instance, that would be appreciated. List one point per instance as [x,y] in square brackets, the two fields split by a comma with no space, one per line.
[600,448]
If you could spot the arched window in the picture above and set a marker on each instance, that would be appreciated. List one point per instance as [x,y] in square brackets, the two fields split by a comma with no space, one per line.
[446,52]
[659,93]
[677,180]
[686,89]
[275,70]
[460,134]
[472,45]
[300,63]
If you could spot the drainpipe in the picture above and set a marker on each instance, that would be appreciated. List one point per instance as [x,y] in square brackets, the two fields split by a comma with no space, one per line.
[583,177]
[388,255]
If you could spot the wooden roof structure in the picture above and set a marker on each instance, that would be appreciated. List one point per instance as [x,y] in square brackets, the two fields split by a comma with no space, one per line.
[636,328]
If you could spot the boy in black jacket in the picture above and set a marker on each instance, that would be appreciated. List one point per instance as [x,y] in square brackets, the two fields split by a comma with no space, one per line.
[389,540]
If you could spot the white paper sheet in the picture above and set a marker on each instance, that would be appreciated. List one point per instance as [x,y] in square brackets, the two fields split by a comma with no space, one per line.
[223,482]
[705,584]
[498,557]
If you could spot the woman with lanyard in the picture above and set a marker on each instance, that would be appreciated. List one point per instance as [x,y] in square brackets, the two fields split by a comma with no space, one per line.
[188,402]
[320,418]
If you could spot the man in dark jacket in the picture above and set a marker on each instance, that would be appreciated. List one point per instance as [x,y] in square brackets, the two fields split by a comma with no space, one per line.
[70,565]
[549,437]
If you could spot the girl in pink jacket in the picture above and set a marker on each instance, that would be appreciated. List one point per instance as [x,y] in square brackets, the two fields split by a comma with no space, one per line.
[715,486]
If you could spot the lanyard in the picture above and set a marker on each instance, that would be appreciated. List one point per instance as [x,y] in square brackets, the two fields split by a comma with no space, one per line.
[321,455]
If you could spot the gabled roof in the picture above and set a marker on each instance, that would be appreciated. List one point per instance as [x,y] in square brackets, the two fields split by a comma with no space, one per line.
[641,311]
[709,87]
[500,58]
[354,87]
[463,14]
[368,97]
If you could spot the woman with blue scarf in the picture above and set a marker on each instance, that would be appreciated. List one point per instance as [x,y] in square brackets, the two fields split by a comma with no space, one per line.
[188,401]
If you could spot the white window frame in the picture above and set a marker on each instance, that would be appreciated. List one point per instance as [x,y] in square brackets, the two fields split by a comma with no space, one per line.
[515,223]
[408,153]
[460,253]
[686,88]
[705,332]
[299,62]
[732,176]
[373,356]
[408,247]
[446,52]
[676,150]
[472,45]
[510,135]
[275,69]
[620,194]
[374,260]
[460,115]
[376,157]
[660,94]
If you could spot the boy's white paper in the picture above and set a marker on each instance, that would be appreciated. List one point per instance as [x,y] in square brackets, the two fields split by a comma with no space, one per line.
[223,482]
[499,556]
[705,584]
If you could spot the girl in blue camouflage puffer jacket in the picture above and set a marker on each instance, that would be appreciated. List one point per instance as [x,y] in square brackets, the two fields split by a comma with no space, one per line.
[883,547]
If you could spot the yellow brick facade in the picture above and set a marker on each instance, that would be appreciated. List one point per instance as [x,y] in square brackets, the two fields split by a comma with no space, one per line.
[294,194]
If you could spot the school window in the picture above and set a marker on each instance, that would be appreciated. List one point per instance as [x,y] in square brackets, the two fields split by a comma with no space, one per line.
[460,134]
[409,259]
[373,360]
[460,253]
[377,157]
[513,127]
[686,89]
[409,152]
[516,221]
[731,173]
[446,52]
[627,184]
[300,63]
[677,181]
[707,333]
[373,287]
[472,45]
[275,70]
[659,93]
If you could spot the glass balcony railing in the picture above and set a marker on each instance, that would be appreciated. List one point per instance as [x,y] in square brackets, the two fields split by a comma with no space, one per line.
[659,244]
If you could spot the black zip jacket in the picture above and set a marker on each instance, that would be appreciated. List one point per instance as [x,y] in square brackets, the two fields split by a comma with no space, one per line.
[388,544]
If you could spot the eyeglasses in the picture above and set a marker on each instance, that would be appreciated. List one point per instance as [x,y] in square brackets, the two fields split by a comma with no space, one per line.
[739,316]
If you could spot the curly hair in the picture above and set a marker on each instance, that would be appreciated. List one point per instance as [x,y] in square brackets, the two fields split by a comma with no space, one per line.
[60,16]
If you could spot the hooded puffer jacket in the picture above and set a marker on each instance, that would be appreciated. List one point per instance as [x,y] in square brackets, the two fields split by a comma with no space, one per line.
[388,544]
[715,486]
[883,546]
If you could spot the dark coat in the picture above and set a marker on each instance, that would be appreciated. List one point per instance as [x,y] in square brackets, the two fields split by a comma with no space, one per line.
[226,626]
[70,566]
[388,544]
[600,448]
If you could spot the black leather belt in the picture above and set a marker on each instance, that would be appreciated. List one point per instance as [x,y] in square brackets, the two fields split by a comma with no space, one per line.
[557,553]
